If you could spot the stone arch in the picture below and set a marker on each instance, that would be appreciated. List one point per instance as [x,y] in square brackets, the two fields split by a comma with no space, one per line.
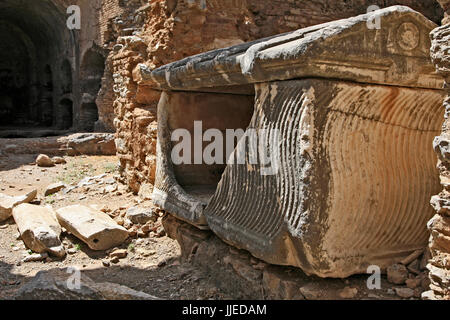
[91,73]
[92,69]
[88,115]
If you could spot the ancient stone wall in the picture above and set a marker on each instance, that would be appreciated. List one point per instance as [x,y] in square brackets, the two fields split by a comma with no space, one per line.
[439,226]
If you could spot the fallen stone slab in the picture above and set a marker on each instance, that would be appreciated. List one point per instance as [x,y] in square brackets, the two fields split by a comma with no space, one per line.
[54,188]
[7,203]
[63,285]
[90,144]
[39,229]
[97,229]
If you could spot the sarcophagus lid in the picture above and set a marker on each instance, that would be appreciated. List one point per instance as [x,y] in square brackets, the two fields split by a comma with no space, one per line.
[388,46]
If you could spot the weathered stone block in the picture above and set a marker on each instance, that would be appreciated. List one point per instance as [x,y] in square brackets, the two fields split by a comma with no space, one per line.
[95,228]
[39,229]
[7,203]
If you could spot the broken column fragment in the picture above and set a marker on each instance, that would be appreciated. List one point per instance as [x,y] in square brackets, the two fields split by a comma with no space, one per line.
[98,230]
[355,110]
[7,203]
[39,229]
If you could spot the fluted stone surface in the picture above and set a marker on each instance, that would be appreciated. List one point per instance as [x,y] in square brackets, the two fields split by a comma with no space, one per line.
[355,173]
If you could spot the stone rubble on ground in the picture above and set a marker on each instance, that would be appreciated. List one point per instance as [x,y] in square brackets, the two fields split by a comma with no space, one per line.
[411,273]
[397,274]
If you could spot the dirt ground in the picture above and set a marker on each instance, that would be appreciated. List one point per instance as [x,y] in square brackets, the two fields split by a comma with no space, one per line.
[153,262]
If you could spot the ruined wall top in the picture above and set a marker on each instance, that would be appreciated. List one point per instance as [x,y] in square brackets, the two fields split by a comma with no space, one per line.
[388,46]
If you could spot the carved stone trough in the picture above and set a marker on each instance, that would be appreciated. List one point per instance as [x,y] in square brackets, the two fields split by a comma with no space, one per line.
[350,112]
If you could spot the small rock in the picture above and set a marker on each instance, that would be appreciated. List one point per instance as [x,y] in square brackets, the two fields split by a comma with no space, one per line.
[54,188]
[160,232]
[140,215]
[59,160]
[405,293]
[115,260]
[110,180]
[413,283]
[390,291]
[414,267]
[146,228]
[311,291]
[72,251]
[425,283]
[146,253]
[119,253]
[35,257]
[111,188]
[106,263]
[397,274]
[348,293]
[44,161]
[141,234]
[428,295]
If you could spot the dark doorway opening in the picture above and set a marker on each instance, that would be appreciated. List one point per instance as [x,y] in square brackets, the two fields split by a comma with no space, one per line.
[88,116]
[65,119]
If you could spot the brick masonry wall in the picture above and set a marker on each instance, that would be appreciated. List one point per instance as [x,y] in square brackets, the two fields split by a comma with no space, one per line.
[115,18]
[439,226]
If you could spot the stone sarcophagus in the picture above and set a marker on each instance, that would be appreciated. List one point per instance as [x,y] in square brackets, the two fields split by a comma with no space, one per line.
[312,148]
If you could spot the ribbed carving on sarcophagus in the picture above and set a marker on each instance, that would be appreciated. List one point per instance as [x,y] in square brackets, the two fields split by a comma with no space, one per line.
[348,180]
